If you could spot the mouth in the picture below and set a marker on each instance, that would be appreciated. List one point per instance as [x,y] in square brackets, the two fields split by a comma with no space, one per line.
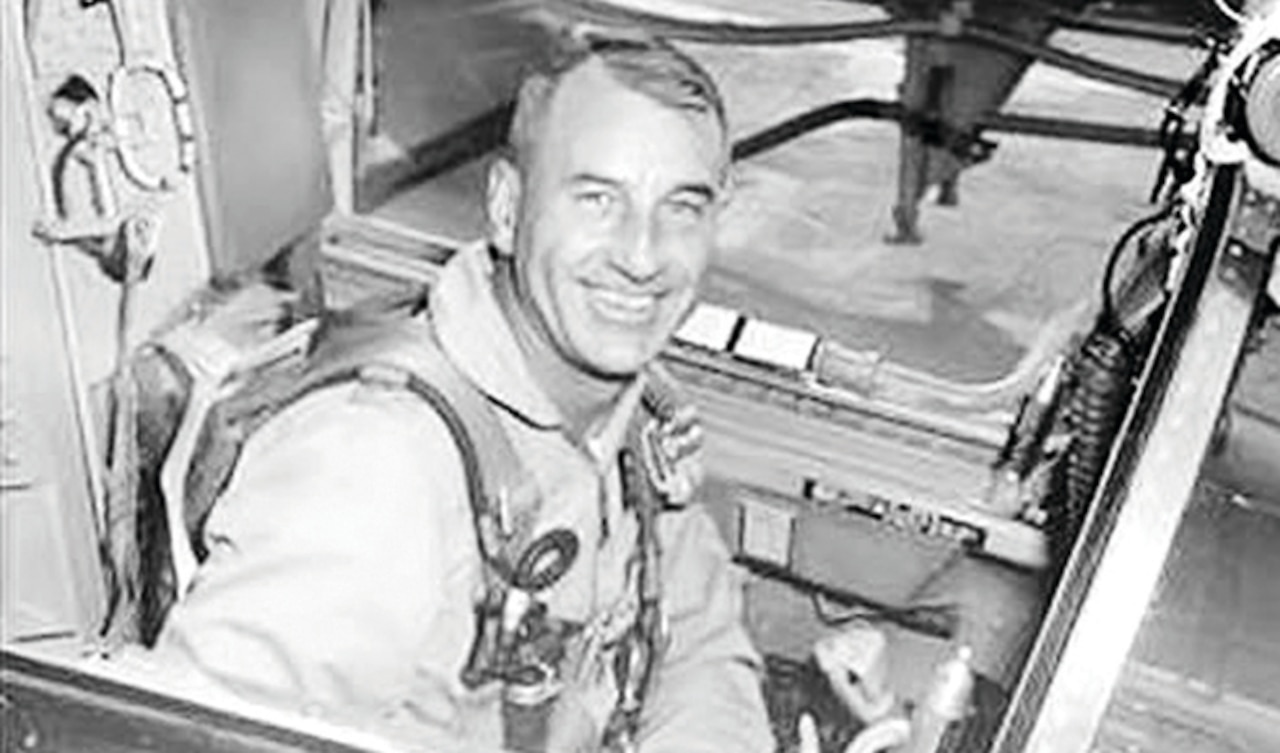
[627,307]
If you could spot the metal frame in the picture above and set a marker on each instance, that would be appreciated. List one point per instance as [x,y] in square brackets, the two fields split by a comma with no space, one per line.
[1108,583]
[480,135]
[48,705]
[786,34]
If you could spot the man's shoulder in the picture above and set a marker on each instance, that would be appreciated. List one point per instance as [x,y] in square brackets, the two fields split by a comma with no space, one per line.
[383,331]
[352,392]
[386,357]
[386,382]
[362,416]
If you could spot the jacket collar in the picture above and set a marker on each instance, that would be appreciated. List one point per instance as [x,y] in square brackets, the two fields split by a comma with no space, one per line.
[476,337]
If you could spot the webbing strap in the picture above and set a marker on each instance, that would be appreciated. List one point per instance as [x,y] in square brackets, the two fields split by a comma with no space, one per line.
[407,355]
[399,353]
[482,498]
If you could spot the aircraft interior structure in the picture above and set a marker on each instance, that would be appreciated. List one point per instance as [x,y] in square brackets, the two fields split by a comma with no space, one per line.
[984,362]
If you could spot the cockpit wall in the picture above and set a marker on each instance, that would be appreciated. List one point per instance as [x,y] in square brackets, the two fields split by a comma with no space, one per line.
[162,154]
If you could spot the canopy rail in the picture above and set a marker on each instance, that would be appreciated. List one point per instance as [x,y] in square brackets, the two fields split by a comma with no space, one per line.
[732,33]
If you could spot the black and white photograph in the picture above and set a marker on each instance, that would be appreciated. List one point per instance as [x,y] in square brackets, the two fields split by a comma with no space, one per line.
[640,376]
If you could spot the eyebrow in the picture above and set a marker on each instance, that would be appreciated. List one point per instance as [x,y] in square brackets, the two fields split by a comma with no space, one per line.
[579,178]
[702,190]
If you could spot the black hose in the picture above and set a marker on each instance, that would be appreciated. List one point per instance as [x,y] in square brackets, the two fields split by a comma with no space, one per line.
[1103,377]
[1109,318]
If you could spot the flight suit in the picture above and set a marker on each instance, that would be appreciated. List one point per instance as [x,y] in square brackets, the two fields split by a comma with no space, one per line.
[343,566]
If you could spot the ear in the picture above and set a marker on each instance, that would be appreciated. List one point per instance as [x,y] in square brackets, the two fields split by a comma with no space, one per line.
[502,199]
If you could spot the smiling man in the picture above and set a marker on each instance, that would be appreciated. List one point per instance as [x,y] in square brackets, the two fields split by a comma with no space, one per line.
[605,212]
[353,571]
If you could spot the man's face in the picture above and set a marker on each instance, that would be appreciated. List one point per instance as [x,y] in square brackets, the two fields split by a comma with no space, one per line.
[615,219]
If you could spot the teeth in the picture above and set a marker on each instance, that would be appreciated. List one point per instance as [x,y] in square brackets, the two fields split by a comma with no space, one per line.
[630,307]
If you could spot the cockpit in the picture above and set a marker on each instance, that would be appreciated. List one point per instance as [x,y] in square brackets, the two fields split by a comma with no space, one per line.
[982,361]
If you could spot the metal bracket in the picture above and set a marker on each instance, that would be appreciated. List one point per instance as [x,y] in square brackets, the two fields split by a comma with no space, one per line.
[1254,236]
[124,247]
[1242,269]
[1257,222]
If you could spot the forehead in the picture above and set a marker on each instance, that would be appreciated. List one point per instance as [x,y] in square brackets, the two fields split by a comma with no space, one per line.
[595,123]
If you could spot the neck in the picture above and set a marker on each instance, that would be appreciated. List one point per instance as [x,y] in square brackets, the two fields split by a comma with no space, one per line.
[583,398]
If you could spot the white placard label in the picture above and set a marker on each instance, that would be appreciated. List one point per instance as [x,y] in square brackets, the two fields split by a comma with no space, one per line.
[709,326]
[766,532]
[773,344]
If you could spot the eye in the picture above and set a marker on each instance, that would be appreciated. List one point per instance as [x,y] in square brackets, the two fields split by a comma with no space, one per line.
[596,200]
[689,209]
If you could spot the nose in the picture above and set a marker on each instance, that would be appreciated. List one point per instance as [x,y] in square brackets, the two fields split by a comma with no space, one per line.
[636,250]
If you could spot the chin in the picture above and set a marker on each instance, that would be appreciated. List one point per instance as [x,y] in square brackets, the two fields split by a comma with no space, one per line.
[622,363]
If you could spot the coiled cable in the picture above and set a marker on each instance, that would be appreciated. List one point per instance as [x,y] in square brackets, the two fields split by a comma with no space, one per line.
[1101,378]
[1103,383]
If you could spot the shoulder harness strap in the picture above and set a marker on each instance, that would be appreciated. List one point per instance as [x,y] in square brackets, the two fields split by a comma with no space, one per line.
[648,470]
[406,354]
[399,351]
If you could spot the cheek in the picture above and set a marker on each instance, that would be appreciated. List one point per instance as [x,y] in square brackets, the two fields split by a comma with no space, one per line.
[547,269]
[687,272]
[558,240]
[690,257]
[542,285]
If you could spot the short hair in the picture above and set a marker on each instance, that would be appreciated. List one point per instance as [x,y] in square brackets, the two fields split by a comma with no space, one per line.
[645,64]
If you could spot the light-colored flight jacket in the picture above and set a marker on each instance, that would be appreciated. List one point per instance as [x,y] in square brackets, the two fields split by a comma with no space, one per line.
[344,569]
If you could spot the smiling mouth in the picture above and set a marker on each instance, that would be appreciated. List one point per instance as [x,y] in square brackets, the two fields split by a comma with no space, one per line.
[623,307]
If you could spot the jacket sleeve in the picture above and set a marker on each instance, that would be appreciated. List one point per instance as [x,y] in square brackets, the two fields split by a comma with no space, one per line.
[330,555]
[707,693]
